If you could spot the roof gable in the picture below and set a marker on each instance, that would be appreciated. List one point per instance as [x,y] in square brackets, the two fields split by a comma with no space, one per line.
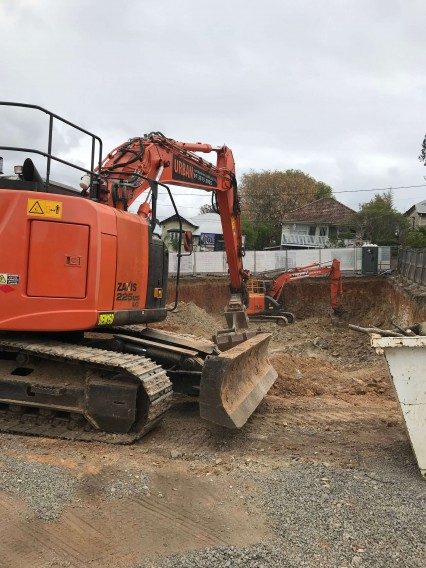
[325,210]
[175,218]
[420,208]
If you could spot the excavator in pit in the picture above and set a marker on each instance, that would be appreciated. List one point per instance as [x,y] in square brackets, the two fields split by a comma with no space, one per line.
[266,297]
[82,278]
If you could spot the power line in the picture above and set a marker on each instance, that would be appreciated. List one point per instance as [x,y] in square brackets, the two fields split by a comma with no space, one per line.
[334,192]
[381,188]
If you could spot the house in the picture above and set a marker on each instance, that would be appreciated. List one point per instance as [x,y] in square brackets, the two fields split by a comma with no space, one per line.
[206,230]
[170,230]
[416,215]
[317,224]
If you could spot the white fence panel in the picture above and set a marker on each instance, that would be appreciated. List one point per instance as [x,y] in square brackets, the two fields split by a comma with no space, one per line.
[186,264]
[307,256]
[248,260]
[209,262]
[270,260]
[326,255]
[384,258]
[347,257]
[264,260]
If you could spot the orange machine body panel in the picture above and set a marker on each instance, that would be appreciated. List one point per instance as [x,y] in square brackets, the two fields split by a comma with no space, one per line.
[131,269]
[256,303]
[59,269]
[256,296]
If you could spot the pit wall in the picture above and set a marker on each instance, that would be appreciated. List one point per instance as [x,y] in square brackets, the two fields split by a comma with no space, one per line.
[366,300]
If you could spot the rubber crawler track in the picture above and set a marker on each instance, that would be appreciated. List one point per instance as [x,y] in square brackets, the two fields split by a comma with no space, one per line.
[153,378]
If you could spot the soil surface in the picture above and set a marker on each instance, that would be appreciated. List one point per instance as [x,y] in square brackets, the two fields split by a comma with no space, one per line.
[325,451]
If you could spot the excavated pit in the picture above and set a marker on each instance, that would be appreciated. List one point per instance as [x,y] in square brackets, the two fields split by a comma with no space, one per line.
[318,354]
[365,298]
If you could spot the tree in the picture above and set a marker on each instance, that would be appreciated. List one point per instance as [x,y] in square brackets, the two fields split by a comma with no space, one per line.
[207,208]
[259,235]
[422,156]
[268,195]
[379,222]
[416,238]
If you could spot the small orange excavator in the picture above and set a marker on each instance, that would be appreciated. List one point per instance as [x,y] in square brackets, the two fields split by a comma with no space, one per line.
[81,280]
[265,297]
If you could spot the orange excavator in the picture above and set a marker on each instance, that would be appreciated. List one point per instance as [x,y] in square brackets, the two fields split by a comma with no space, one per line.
[81,280]
[265,297]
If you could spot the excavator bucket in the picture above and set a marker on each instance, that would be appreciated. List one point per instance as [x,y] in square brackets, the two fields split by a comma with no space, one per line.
[235,382]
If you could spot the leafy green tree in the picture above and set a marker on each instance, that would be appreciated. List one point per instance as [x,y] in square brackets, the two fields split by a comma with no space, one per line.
[416,238]
[266,196]
[259,235]
[379,222]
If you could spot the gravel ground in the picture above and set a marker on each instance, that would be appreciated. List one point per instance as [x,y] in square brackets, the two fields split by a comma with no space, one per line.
[46,489]
[325,516]
[128,486]
[259,556]
[332,517]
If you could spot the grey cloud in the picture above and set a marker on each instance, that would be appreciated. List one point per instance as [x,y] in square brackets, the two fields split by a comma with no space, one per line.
[334,88]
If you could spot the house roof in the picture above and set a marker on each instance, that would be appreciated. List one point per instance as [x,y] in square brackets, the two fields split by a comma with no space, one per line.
[325,210]
[208,223]
[420,208]
[202,223]
[174,218]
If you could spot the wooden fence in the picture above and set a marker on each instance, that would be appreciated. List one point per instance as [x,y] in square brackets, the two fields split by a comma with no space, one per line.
[412,264]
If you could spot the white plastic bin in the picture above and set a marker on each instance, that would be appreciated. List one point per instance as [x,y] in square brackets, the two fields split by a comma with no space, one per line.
[406,359]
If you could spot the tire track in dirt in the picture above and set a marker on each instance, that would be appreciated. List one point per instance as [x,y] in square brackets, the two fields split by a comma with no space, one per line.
[120,532]
[192,526]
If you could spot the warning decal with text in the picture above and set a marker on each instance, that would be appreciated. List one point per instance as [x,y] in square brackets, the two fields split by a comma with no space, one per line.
[44,208]
[8,282]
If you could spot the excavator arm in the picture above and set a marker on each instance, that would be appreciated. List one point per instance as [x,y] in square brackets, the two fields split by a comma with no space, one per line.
[234,382]
[268,304]
[310,271]
[129,174]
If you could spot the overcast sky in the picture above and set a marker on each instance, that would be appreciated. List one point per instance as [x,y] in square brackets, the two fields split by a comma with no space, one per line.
[333,87]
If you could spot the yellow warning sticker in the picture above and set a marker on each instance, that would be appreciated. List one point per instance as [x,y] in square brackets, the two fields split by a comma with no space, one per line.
[3,278]
[106,319]
[44,208]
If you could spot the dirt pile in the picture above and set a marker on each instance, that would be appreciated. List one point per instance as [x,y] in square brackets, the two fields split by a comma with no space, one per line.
[313,376]
[321,338]
[189,318]
[315,356]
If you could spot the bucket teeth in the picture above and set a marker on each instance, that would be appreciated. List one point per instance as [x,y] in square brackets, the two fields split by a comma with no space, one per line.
[235,382]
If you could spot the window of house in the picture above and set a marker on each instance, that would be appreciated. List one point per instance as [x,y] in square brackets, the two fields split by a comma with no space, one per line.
[323,231]
[174,235]
[299,229]
[312,230]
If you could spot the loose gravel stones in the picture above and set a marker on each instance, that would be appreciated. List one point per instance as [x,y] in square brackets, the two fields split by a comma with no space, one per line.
[335,517]
[128,485]
[258,556]
[324,516]
[47,489]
